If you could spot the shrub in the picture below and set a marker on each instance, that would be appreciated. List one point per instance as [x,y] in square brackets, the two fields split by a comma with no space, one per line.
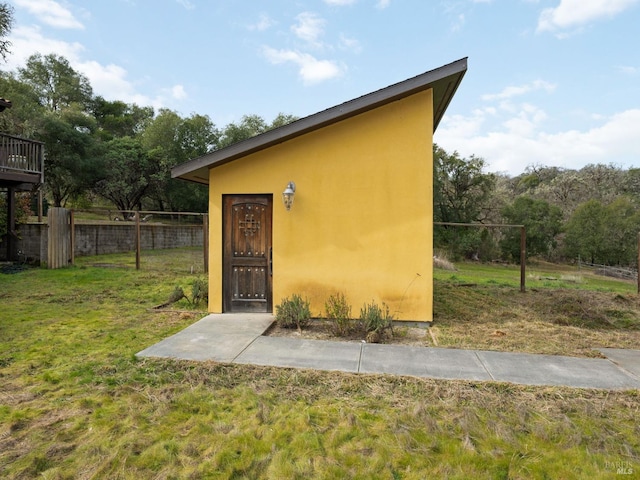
[199,291]
[338,311]
[22,210]
[176,295]
[375,318]
[293,313]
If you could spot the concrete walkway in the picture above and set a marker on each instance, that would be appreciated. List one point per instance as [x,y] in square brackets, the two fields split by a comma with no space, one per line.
[238,338]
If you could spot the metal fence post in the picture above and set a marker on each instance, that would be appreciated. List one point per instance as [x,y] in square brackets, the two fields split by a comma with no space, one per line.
[138,241]
[523,257]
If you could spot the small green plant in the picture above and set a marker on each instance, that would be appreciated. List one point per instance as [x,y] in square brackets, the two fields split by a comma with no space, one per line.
[199,291]
[22,210]
[338,311]
[375,320]
[293,313]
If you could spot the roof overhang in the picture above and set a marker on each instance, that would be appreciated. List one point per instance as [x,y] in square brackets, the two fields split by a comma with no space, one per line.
[444,81]
[4,104]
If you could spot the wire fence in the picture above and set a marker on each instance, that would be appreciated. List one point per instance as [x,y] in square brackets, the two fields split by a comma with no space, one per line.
[138,234]
[181,260]
[157,230]
[523,242]
[609,271]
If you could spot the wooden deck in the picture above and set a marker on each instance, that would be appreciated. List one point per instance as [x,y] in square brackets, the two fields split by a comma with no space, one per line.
[21,169]
[21,162]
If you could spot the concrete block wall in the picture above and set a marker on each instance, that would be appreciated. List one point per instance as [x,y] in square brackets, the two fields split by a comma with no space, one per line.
[33,241]
[116,237]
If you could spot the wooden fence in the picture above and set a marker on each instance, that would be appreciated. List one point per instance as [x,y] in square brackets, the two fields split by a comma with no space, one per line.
[59,251]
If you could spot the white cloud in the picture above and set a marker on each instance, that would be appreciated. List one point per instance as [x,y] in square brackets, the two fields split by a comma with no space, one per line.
[456,127]
[309,27]
[518,90]
[340,3]
[50,13]
[350,44]
[382,4]
[25,41]
[458,23]
[571,14]
[109,81]
[521,141]
[526,121]
[628,70]
[264,23]
[186,4]
[310,69]
[178,92]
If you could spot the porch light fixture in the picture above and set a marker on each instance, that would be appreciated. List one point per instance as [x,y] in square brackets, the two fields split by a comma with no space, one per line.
[287,195]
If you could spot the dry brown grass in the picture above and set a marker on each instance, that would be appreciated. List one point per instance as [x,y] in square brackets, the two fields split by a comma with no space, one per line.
[443,263]
[557,322]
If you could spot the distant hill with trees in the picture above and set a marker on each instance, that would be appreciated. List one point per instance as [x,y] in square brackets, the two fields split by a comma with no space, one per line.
[592,213]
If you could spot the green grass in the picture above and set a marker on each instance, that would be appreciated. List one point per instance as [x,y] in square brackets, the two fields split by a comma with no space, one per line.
[75,402]
[537,275]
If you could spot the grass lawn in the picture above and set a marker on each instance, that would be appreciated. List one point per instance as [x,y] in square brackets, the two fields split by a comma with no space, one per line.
[76,403]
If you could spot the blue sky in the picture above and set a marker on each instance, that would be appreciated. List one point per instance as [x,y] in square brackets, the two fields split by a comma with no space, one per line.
[550,82]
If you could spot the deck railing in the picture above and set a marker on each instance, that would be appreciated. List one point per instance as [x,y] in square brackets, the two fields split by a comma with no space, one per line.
[19,155]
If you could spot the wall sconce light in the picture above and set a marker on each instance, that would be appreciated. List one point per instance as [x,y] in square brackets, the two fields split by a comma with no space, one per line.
[287,195]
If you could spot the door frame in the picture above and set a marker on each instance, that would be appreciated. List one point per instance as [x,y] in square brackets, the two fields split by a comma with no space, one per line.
[228,200]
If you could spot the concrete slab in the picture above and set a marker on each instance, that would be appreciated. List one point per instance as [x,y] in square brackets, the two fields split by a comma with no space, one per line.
[239,338]
[529,369]
[215,337]
[629,360]
[298,353]
[424,362]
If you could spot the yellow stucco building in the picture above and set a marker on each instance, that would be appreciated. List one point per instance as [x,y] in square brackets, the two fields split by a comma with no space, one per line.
[361,222]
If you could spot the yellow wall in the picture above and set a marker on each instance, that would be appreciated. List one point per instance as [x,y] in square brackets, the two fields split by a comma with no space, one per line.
[362,218]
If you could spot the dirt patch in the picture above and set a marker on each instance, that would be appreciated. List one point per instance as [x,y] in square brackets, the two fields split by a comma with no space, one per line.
[321,329]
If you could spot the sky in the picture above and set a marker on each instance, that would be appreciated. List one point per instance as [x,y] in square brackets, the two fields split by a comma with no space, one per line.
[549,82]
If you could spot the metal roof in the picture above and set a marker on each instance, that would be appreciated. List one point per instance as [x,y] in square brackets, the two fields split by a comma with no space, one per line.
[444,81]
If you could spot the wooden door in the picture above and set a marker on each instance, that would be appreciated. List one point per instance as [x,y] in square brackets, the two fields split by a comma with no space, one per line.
[247,253]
